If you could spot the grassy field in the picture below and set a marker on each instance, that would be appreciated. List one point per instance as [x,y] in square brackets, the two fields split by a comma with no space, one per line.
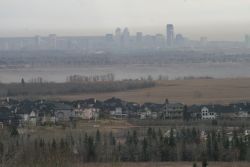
[121,127]
[167,164]
[197,91]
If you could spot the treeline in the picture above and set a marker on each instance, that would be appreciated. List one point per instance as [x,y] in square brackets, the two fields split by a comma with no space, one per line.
[43,88]
[94,78]
[73,58]
[183,145]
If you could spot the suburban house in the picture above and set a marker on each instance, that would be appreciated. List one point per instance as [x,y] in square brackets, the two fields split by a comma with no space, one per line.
[226,112]
[23,114]
[143,115]
[241,109]
[86,113]
[45,113]
[194,112]
[27,117]
[154,115]
[151,111]
[118,112]
[242,114]
[116,108]
[206,114]
[42,112]
[63,112]
[133,109]
[173,110]
[33,118]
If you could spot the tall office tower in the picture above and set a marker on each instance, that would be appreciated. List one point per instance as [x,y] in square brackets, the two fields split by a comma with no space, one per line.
[247,40]
[118,37]
[170,34]
[139,37]
[118,34]
[126,37]
[52,41]
[37,39]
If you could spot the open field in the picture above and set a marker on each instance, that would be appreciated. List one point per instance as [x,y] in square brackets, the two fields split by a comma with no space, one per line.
[120,127]
[197,91]
[167,164]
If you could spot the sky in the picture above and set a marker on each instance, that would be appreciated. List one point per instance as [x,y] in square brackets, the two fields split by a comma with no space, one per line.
[216,19]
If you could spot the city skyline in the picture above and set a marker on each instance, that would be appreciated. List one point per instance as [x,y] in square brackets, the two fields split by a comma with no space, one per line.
[218,20]
[131,32]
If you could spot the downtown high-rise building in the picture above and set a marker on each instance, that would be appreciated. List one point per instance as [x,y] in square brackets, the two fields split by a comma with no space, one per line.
[170,34]
[52,41]
[118,34]
[126,37]
[247,40]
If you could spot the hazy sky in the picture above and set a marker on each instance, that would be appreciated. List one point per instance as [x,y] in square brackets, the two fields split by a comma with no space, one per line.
[217,19]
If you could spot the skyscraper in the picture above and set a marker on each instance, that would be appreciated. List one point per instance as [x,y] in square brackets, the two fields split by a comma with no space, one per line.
[170,34]
[37,40]
[118,34]
[247,40]
[126,37]
[126,33]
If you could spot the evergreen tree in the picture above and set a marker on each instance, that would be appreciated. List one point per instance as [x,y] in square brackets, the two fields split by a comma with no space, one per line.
[135,138]
[215,151]
[172,138]
[62,144]
[53,145]
[22,81]
[145,155]
[243,150]
[209,146]
[98,136]
[90,149]
[1,151]
[13,131]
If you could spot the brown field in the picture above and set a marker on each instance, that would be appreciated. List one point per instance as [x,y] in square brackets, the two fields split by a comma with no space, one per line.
[197,91]
[167,164]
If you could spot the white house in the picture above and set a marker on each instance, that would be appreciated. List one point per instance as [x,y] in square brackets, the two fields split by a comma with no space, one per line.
[33,118]
[154,115]
[247,132]
[205,114]
[142,115]
[118,113]
[86,113]
[242,114]
[148,112]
